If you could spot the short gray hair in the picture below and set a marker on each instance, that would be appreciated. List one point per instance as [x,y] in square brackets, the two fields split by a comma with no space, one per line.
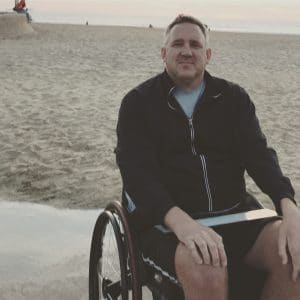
[180,19]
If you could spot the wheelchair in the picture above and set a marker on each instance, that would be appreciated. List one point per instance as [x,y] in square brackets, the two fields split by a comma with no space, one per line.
[117,271]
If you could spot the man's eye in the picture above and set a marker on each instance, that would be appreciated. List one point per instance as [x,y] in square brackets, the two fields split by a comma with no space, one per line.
[177,44]
[196,45]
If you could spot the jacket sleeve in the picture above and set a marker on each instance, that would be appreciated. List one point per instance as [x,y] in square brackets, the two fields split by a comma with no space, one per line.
[261,161]
[137,158]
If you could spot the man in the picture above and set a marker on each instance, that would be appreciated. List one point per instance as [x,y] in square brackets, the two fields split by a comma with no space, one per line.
[185,139]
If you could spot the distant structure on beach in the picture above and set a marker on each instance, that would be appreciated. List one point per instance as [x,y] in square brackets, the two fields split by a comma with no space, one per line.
[86,23]
[14,25]
[150,26]
[20,7]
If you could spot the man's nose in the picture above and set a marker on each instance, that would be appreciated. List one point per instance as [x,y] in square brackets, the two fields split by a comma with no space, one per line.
[186,50]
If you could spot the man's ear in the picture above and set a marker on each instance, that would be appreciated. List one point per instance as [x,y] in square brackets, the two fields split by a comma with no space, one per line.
[208,55]
[163,53]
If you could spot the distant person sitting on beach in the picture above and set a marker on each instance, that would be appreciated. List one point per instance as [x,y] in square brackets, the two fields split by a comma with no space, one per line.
[20,7]
[185,140]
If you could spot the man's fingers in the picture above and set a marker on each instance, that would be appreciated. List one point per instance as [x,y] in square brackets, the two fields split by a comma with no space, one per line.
[210,250]
[296,266]
[221,250]
[282,247]
[214,252]
[218,242]
[207,248]
[222,254]
[202,248]
[195,254]
[295,258]
[295,274]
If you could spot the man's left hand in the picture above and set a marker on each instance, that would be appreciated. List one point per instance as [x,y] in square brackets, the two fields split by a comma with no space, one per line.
[289,236]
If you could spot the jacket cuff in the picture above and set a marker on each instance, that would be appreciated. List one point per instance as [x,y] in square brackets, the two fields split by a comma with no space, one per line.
[142,219]
[160,215]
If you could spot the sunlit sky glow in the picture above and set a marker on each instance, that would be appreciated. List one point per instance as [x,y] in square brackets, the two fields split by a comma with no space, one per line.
[238,15]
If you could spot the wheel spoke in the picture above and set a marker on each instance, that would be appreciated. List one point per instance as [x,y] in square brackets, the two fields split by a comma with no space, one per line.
[110,257]
[109,272]
[111,276]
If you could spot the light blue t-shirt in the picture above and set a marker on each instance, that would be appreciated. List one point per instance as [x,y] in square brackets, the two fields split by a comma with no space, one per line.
[189,99]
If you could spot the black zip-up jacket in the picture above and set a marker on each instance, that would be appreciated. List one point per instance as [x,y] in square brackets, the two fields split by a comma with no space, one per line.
[197,164]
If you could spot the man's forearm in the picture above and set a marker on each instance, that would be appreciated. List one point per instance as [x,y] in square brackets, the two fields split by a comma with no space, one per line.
[176,218]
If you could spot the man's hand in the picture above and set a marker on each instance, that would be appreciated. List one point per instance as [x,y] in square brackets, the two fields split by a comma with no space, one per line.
[289,236]
[205,244]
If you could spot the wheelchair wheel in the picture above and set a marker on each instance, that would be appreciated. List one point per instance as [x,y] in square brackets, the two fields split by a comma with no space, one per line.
[113,272]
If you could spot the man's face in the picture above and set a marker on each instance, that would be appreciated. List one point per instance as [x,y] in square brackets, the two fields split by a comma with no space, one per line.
[185,55]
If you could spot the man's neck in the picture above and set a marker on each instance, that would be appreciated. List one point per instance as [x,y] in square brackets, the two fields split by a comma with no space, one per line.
[187,85]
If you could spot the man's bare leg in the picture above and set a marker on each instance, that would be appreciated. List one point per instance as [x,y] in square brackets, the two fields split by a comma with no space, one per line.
[264,255]
[200,282]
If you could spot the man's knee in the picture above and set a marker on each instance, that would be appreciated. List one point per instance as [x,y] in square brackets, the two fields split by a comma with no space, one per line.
[202,276]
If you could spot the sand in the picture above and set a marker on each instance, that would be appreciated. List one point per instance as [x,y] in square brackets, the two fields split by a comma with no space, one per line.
[61,89]
[44,251]
[60,93]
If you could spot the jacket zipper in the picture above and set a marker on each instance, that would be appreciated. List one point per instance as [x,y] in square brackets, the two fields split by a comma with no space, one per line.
[203,162]
[192,132]
[210,207]
[202,157]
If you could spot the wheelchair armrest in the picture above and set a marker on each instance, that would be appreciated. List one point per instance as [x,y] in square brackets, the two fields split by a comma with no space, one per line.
[262,213]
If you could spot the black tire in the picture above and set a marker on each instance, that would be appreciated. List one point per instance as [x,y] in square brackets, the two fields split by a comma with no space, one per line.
[113,270]
[107,276]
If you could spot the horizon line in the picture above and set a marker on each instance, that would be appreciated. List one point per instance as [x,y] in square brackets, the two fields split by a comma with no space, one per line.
[213,29]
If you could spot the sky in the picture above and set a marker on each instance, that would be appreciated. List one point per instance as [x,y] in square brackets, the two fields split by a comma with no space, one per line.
[277,16]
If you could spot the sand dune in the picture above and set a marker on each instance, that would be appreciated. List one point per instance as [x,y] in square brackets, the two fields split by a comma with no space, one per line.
[14,25]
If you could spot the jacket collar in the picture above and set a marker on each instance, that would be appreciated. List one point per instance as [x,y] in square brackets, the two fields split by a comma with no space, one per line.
[213,89]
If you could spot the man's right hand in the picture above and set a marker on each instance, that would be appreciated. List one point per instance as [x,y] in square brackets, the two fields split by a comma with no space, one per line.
[205,244]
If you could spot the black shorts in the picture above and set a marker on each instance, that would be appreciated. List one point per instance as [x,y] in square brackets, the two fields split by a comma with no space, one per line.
[158,248]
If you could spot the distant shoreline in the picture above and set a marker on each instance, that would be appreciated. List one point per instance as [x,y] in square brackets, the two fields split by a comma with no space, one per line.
[92,22]
[217,30]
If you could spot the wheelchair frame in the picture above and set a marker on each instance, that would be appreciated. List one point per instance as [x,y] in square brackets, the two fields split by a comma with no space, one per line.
[132,275]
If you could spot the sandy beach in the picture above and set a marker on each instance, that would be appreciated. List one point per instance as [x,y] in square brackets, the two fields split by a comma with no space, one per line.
[61,87]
